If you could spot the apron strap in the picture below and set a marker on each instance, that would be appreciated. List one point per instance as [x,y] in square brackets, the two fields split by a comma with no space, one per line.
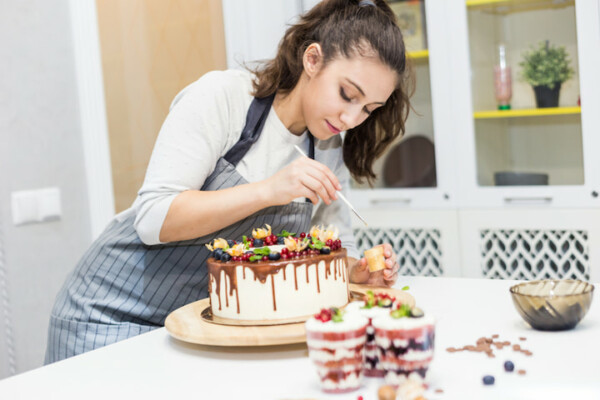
[255,121]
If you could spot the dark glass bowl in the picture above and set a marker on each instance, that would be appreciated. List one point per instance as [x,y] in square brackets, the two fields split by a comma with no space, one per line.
[552,305]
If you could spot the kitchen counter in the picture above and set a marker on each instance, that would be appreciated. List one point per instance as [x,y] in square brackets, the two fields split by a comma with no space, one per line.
[154,365]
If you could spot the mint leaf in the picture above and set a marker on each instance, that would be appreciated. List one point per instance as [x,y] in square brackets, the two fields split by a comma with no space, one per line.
[285,233]
[317,244]
[405,288]
[403,311]
[337,314]
[263,251]
[255,258]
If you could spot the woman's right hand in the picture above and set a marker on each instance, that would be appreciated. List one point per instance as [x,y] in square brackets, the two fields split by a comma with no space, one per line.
[303,177]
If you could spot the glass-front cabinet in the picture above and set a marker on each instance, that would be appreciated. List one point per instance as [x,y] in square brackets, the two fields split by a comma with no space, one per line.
[528,123]
[413,173]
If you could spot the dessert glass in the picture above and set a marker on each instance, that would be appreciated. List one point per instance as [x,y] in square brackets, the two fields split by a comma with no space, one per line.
[337,349]
[372,367]
[405,346]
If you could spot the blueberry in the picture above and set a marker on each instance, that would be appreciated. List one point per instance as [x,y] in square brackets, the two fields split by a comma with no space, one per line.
[217,254]
[488,380]
[231,243]
[509,366]
[225,257]
[258,243]
[280,240]
[274,256]
[325,250]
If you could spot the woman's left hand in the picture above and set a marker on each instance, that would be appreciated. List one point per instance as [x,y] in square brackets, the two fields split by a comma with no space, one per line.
[359,272]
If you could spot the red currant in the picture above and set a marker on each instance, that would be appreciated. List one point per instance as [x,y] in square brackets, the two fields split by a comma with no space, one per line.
[284,251]
[302,235]
[265,258]
[328,242]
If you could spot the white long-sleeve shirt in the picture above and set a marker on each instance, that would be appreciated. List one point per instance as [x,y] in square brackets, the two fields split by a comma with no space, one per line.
[205,120]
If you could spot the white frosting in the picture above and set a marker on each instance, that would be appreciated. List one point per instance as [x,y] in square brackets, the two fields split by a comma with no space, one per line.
[256,297]
[373,312]
[387,322]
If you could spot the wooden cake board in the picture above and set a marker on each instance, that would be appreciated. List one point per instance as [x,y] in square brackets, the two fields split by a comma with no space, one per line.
[189,325]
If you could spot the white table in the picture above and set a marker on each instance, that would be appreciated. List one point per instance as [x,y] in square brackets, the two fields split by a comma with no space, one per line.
[153,365]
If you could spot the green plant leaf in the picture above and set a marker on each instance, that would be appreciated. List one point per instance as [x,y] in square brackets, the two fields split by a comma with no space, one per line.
[316,244]
[285,233]
[546,65]
[263,251]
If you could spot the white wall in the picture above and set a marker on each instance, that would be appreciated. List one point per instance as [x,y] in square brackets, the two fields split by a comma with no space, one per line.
[253,32]
[40,146]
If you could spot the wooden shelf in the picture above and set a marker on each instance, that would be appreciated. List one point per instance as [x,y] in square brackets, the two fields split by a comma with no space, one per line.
[512,6]
[532,112]
[419,55]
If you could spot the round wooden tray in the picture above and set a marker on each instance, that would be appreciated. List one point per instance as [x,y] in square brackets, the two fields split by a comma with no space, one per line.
[189,325]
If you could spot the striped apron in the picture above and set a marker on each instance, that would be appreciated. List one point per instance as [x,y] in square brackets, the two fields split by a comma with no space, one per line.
[122,287]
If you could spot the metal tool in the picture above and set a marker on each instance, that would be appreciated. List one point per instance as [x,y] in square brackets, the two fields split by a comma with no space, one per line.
[340,195]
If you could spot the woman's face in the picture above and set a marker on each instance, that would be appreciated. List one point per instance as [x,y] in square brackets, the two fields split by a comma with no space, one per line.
[341,95]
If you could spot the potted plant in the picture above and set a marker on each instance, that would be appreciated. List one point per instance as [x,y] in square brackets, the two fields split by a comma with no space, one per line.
[546,68]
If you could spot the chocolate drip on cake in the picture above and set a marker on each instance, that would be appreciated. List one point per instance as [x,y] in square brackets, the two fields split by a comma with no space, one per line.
[264,269]
[317,275]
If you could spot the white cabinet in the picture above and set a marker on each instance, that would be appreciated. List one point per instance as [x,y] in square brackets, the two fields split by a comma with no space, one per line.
[560,142]
[462,223]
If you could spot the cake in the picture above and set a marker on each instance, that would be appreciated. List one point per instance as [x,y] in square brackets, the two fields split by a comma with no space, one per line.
[404,339]
[374,305]
[280,278]
[336,342]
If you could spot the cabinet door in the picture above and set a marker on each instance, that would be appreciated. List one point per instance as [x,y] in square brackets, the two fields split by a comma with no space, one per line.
[425,241]
[525,154]
[417,171]
[530,243]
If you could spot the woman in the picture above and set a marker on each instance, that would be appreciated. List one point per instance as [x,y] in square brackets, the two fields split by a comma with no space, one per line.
[221,167]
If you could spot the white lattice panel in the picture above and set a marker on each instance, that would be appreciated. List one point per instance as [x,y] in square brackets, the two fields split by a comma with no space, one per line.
[535,254]
[419,250]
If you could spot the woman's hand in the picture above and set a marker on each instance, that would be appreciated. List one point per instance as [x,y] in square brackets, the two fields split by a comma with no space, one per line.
[303,177]
[359,271]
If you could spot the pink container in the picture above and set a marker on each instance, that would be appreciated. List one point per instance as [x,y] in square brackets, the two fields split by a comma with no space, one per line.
[337,349]
[405,346]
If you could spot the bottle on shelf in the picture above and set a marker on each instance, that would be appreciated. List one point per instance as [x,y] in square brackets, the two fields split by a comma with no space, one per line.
[502,79]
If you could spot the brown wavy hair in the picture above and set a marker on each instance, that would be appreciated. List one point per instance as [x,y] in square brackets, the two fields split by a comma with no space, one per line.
[347,28]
